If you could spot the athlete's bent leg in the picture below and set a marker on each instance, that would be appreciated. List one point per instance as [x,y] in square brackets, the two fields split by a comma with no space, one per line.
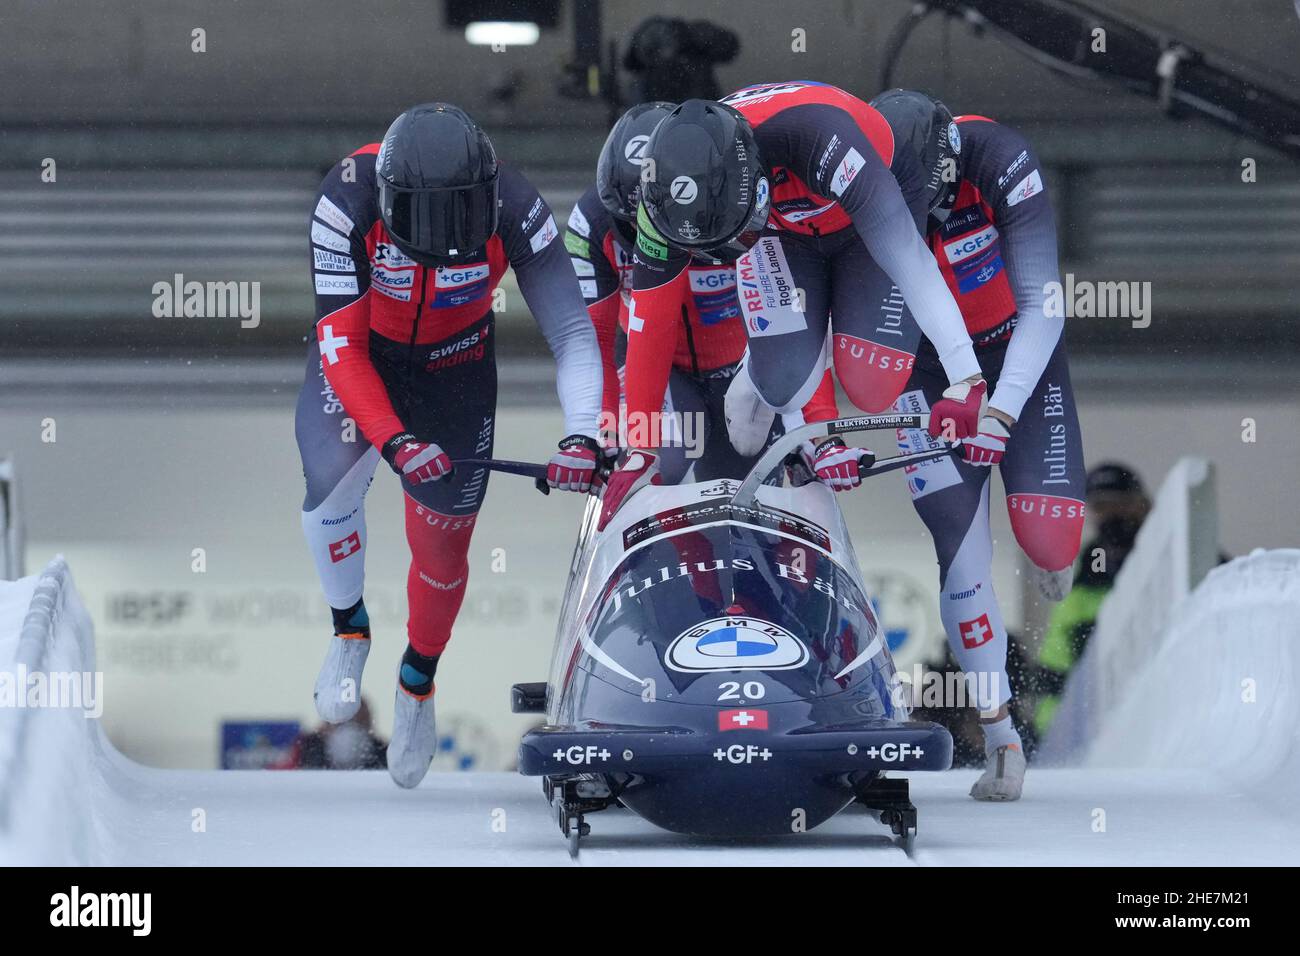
[338,465]
[952,499]
[436,579]
[784,294]
[1044,475]
[713,454]
[874,336]
[454,403]
[679,431]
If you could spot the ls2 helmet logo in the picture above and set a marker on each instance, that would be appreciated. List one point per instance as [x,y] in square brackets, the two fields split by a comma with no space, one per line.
[735,644]
[684,190]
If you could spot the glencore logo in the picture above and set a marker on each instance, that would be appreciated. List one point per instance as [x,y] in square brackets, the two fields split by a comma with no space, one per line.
[74,908]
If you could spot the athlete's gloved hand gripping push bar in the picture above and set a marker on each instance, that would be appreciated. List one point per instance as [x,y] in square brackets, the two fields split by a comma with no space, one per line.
[821,451]
[579,465]
[784,451]
[831,460]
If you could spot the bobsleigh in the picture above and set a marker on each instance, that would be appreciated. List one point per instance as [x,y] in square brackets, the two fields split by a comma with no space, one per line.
[718,667]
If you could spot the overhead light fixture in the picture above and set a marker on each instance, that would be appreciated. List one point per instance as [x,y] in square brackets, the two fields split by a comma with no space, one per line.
[498,33]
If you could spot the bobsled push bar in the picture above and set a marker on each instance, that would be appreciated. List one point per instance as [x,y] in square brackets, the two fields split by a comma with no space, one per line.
[527,469]
[868,465]
[776,454]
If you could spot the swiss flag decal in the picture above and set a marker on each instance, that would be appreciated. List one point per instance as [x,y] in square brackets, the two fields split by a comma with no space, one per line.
[345,548]
[742,720]
[977,632]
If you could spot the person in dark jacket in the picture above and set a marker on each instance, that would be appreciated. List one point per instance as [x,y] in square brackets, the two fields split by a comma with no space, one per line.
[673,60]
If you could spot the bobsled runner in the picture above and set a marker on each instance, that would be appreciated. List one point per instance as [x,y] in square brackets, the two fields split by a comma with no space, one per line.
[718,667]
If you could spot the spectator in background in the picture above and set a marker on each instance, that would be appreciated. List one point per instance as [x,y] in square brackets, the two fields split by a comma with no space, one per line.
[1117,504]
[351,745]
[673,60]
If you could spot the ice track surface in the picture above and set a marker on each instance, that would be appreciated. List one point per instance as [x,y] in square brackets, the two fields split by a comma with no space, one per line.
[1185,770]
[330,818]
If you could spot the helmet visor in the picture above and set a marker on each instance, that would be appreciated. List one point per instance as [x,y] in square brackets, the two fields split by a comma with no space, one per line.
[735,247]
[942,204]
[442,222]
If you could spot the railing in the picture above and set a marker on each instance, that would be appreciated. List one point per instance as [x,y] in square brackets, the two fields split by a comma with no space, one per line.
[1175,548]
[1209,245]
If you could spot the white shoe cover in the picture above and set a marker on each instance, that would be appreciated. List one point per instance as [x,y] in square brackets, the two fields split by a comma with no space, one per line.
[415,738]
[1004,777]
[338,686]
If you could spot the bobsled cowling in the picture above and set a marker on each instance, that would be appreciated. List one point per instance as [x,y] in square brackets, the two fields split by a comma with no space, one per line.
[720,667]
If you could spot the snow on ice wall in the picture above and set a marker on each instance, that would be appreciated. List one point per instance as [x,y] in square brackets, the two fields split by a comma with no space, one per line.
[1191,666]
[1222,690]
[52,760]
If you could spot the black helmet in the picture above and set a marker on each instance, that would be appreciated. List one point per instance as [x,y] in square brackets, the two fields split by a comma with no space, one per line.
[925,126]
[1112,477]
[437,176]
[618,171]
[703,184]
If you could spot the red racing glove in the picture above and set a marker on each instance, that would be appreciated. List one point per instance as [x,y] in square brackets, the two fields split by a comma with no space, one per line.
[834,463]
[957,414]
[416,461]
[989,445]
[573,467]
[639,469]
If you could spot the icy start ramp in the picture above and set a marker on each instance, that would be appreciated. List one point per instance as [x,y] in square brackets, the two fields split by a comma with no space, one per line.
[498,819]
[67,796]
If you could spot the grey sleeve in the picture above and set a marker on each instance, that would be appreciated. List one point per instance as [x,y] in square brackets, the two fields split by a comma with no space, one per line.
[1011,178]
[533,243]
[843,165]
[550,288]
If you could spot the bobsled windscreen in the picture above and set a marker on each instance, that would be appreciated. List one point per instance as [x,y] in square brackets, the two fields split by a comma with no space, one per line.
[730,601]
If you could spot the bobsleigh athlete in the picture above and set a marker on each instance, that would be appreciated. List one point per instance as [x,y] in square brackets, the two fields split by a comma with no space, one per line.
[409,239]
[708,336]
[800,185]
[992,232]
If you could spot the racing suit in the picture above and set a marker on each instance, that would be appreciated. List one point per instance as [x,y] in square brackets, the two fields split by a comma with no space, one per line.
[842,253]
[708,342]
[997,251]
[404,348]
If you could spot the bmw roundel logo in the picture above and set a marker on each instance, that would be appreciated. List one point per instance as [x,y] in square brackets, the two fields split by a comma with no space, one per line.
[735,644]
[760,193]
[954,138]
